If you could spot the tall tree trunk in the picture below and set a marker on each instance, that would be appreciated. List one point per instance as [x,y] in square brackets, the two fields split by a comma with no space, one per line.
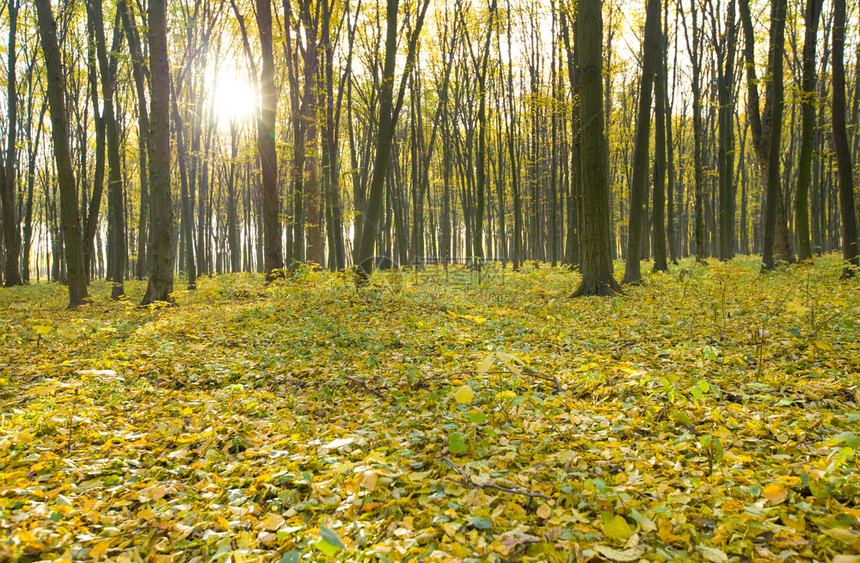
[138,73]
[388,113]
[670,147]
[186,224]
[331,161]
[699,176]
[659,205]
[574,198]
[807,100]
[597,278]
[840,145]
[513,153]
[725,121]
[233,235]
[70,218]
[9,178]
[274,255]
[639,186]
[33,156]
[116,217]
[775,90]
[160,284]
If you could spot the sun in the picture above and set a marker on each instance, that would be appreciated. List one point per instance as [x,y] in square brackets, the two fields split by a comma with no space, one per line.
[233,98]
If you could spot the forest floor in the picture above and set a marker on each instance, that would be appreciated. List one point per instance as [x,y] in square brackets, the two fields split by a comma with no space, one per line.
[712,414]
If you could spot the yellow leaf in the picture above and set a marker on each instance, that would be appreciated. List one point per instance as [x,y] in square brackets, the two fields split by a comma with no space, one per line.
[272,522]
[368,480]
[775,493]
[788,540]
[464,394]
[544,511]
[616,527]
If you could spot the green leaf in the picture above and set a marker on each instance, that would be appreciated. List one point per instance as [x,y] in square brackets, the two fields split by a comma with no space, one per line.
[330,536]
[456,443]
[477,417]
[681,417]
[328,549]
[481,523]
[290,557]
[718,450]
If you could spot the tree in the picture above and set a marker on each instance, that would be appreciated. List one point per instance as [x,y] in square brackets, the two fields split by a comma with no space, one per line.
[8,172]
[840,145]
[274,254]
[389,109]
[694,50]
[70,219]
[760,125]
[116,215]
[775,91]
[160,284]
[596,256]
[807,100]
[725,51]
[661,117]
[639,187]
[139,73]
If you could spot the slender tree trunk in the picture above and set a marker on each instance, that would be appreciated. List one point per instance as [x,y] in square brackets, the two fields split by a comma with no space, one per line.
[725,155]
[11,221]
[639,187]
[274,255]
[775,90]
[574,197]
[808,99]
[512,153]
[116,217]
[138,73]
[160,284]
[659,205]
[840,145]
[70,218]
[388,112]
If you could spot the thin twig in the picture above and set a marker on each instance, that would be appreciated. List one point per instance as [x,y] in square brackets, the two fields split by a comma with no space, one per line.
[366,387]
[472,485]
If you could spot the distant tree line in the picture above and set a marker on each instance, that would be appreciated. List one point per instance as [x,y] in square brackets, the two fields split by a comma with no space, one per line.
[417,131]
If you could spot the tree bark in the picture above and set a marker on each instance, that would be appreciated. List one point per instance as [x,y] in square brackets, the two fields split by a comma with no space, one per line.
[388,112]
[160,285]
[274,255]
[639,186]
[9,178]
[725,121]
[116,216]
[775,90]
[597,278]
[840,145]
[70,219]
[807,100]
[659,201]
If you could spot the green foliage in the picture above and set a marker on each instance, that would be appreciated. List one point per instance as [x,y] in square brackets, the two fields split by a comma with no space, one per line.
[496,420]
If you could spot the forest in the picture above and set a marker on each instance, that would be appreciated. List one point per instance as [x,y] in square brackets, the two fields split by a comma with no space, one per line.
[429,280]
